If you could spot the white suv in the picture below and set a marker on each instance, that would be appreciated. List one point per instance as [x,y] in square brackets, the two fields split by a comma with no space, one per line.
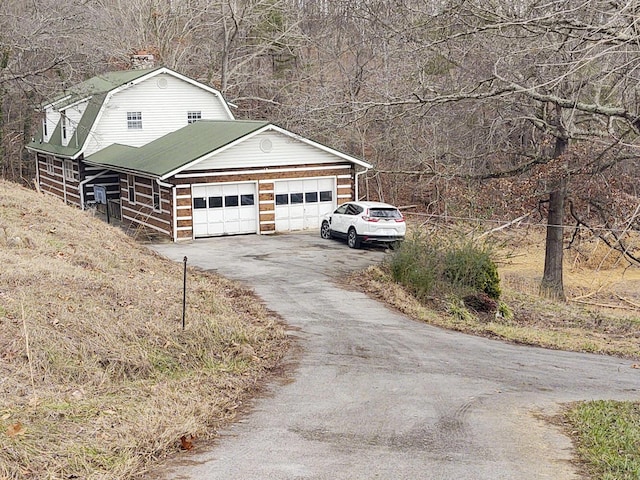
[364,222]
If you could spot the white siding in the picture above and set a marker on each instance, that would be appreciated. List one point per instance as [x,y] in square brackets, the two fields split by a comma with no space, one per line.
[53,117]
[74,114]
[164,102]
[285,150]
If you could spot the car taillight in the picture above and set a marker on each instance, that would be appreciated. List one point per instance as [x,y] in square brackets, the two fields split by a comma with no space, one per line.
[401,219]
[367,218]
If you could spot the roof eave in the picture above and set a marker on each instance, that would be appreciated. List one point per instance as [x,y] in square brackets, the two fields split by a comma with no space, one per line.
[71,156]
[74,103]
[45,106]
[125,170]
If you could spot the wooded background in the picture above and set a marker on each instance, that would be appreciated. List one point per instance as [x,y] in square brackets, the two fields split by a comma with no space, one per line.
[469,109]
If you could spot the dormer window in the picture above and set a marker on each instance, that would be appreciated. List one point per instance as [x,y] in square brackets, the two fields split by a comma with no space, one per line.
[45,130]
[63,124]
[194,116]
[134,120]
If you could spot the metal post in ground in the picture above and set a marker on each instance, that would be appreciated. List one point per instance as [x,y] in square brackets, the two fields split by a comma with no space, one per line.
[184,292]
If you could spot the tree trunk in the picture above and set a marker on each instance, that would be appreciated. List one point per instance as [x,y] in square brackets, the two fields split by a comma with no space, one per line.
[552,285]
[3,160]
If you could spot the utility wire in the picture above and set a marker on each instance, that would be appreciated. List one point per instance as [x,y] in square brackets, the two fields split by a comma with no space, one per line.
[517,224]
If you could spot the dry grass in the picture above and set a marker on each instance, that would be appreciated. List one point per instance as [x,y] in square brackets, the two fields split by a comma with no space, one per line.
[98,380]
[602,314]
[97,377]
[595,276]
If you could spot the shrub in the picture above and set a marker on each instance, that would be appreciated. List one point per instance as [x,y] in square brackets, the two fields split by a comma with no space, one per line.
[504,311]
[415,265]
[469,266]
[458,310]
[428,266]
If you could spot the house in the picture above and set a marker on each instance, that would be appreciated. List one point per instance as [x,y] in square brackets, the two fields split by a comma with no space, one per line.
[168,153]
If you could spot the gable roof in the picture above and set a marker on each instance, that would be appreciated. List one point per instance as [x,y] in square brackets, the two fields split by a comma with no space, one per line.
[96,91]
[102,83]
[177,150]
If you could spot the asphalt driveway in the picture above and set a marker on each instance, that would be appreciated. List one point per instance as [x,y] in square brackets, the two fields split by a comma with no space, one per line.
[378,395]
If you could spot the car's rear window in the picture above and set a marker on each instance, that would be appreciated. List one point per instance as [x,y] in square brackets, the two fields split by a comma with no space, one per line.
[385,213]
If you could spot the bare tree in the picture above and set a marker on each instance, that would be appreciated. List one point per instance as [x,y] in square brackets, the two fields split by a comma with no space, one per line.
[559,76]
[453,96]
[40,44]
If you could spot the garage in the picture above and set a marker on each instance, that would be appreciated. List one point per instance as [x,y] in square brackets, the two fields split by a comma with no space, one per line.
[224,209]
[218,177]
[301,203]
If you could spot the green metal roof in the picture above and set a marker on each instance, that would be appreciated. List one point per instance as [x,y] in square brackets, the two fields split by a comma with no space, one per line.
[102,83]
[177,149]
[54,145]
[96,89]
[116,150]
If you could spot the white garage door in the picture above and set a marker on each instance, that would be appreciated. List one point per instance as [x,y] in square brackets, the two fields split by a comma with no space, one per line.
[300,204]
[224,209]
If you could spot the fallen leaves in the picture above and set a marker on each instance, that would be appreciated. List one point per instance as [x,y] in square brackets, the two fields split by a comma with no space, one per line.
[15,429]
[186,443]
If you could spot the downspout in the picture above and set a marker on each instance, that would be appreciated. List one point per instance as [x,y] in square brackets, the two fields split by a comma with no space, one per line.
[174,207]
[357,189]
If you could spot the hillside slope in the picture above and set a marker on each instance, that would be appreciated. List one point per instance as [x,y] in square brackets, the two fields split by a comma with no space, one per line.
[97,377]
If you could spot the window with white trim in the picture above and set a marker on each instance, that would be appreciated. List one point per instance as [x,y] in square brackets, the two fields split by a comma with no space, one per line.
[45,130]
[134,120]
[69,172]
[50,169]
[156,196]
[131,188]
[194,116]
[63,125]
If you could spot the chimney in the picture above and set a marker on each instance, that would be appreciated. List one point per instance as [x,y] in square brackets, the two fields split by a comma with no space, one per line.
[142,59]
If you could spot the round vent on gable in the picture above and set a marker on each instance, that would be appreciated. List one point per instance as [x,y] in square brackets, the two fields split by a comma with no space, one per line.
[162,82]
[265,145]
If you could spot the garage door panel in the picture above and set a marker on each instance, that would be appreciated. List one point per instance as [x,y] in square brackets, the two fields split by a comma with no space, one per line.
[300,204]
[246,213]
[227,209]
[326,184]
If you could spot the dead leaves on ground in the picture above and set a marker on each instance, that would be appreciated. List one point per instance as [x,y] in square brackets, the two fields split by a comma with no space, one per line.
[186,443]
[15,429]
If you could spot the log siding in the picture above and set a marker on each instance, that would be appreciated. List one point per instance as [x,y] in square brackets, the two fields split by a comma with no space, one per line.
[52,178]
[140,212]
[344,175]
[175,217]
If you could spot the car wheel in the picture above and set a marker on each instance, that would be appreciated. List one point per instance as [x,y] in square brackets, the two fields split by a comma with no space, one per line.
[352,238]
[325,230]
